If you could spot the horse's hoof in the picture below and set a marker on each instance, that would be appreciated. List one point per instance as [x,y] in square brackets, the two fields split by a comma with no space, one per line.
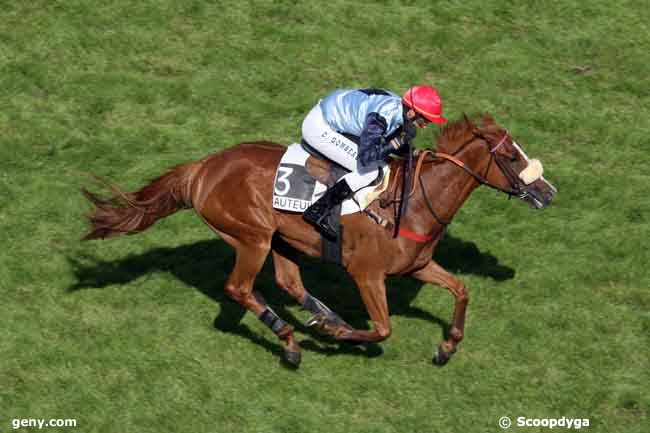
[441,357]
[292,358]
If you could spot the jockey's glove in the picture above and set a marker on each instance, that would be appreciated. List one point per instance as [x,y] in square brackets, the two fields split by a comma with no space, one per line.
[409,131]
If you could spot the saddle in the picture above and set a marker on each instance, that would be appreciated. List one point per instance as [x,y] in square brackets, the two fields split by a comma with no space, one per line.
[321,168]
[304,174]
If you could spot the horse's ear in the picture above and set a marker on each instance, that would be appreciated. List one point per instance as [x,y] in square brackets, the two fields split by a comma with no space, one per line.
[470,124]
[488,119]
[468,121]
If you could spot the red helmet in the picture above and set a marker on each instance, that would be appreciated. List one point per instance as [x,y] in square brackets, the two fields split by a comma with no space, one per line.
[426,102]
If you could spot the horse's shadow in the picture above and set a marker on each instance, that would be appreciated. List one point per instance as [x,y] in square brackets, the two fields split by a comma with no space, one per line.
[205,265]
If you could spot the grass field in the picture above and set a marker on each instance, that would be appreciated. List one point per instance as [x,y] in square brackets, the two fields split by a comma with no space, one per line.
[121,335]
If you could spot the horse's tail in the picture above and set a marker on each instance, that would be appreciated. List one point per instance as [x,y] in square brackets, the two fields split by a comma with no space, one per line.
[131,213]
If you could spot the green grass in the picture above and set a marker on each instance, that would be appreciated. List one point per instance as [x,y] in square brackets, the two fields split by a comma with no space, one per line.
[119,334]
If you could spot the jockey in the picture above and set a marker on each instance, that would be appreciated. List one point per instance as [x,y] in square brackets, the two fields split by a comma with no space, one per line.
[384,123]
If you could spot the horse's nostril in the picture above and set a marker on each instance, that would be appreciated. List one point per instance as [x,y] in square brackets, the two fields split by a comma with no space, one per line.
[548,197]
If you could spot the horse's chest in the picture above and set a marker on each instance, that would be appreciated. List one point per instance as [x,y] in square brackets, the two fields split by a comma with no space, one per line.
[411,257]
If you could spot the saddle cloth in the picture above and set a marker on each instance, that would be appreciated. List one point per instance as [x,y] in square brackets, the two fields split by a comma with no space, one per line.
[295,189]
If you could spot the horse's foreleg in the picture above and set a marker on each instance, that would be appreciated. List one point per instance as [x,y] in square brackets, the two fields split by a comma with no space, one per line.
[239,287]
[373,293]
[435,274]
[287,276]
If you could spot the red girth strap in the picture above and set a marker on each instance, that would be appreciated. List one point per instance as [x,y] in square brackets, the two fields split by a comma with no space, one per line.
[414,236]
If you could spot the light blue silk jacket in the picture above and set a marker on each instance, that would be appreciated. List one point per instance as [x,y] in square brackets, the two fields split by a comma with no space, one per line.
[346,110]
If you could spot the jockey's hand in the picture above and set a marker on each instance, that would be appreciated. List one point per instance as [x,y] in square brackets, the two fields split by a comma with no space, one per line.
[396,143]
[399,147]
[409,131]
[402,141]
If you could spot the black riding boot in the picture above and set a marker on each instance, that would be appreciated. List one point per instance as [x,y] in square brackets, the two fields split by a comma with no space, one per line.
[318,212]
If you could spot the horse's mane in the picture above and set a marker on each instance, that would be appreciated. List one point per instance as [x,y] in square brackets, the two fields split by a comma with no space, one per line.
[457,132]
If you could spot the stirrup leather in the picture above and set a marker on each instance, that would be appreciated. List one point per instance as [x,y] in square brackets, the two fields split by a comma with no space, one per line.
[317,213]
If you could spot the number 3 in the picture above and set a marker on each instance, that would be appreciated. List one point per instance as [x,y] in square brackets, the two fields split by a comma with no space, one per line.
[283,174]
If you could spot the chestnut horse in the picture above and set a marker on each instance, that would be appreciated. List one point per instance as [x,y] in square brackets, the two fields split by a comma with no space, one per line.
[231,191]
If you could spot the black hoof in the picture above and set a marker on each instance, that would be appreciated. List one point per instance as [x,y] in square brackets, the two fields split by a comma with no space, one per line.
[292,358]
[441,357]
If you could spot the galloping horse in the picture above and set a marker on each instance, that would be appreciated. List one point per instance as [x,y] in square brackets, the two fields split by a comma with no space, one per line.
[231,191]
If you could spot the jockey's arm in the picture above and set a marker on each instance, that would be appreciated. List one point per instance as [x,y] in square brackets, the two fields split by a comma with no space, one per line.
[372,144]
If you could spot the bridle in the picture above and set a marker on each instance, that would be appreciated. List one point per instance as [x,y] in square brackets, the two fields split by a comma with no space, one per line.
[517,188]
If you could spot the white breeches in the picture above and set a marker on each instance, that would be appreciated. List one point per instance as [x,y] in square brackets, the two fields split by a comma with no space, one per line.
[318,134]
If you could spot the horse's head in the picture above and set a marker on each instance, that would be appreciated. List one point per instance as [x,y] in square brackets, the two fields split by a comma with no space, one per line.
[500,162]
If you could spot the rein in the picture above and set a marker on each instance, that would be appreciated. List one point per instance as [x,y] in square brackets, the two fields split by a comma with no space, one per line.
[407,189]
[481,179]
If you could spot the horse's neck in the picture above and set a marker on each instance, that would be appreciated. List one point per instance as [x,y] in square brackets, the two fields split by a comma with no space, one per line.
[447,187]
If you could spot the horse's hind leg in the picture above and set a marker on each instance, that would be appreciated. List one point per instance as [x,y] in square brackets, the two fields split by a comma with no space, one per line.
[373,293]
[287,276]
[239,286]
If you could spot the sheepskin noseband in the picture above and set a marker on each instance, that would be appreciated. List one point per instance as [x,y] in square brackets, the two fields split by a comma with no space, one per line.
[533,172]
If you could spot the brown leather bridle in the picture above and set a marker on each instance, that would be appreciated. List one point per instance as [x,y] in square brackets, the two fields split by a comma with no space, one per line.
[516,188]
[515,185]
